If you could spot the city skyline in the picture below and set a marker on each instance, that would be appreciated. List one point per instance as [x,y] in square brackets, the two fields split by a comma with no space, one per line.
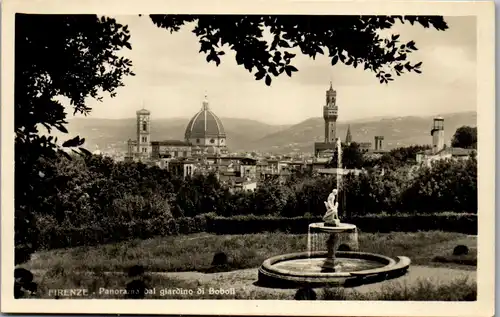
[172,83]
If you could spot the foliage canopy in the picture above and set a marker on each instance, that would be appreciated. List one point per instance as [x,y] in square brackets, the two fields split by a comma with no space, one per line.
[352,40]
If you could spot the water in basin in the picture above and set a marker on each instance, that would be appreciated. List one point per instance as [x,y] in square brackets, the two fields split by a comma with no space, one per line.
[315,265]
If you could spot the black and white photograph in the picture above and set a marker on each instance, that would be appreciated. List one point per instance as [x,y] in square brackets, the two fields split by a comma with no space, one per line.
[273,155]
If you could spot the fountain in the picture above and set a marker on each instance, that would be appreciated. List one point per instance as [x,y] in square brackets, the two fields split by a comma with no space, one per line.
[331,267]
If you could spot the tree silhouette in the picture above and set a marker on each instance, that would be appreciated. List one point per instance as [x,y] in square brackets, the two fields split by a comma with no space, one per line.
[465,137]
[352,157]
[352,40]
[71,56]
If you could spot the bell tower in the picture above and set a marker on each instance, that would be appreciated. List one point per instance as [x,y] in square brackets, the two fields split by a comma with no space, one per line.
[143,133]
[437,133]
[330,114]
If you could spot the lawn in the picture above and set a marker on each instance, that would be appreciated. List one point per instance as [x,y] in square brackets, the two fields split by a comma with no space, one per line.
[102,267]
[195,252]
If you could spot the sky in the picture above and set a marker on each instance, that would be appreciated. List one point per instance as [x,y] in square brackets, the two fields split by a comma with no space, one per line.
[172,79]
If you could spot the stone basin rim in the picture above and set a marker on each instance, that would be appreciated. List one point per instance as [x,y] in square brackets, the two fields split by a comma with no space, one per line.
[332,229]
[267,265]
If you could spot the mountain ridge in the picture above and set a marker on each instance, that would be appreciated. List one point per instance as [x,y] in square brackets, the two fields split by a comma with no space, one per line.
[253,135]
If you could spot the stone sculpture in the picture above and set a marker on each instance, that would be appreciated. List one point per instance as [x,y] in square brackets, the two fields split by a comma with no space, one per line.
[331,216]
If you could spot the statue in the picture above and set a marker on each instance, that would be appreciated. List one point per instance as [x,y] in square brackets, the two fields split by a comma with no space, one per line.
[331,216]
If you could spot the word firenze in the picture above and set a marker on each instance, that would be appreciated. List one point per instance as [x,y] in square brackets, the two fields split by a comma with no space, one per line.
[82,292]
[76,292]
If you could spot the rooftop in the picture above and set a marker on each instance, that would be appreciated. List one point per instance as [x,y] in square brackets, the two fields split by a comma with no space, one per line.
[170,142]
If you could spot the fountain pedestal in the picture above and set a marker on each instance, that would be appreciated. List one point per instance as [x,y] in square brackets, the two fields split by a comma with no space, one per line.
[331,244]
[334,230]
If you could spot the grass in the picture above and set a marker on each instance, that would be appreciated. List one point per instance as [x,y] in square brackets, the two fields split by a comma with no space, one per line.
[98,285]
[195,252]
[460,289]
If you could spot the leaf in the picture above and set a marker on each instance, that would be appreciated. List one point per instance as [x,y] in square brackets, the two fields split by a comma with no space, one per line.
[268,80]
[398,67]
[127,45]
[239,59]
[217,60]
[411,45]
[273,70]
[289,55]
[66,155]
[335,59]
[61,128]
[417,65]
[259,75]
[283,43]
[292,68]
[85,151]
[76,141]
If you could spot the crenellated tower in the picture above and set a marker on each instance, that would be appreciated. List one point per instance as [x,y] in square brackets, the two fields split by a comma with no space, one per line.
[330,114]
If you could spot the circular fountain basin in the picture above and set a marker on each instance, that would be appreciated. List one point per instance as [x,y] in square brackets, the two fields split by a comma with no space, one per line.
[351,269]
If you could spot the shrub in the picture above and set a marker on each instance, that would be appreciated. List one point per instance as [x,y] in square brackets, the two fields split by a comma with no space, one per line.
[460,250]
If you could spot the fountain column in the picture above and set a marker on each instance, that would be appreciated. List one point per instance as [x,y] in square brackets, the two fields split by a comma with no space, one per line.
[331,244]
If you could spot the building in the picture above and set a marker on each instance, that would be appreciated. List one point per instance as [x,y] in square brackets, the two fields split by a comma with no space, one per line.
[439,150]
[170,149]
[184,168]
[205,132]
[364,147]
[377,151]
[379,143]
[330,115]
[204,135]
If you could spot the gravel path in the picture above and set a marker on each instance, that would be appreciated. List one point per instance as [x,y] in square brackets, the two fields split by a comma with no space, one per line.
[243,280]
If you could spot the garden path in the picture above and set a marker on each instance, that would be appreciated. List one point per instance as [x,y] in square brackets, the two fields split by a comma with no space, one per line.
[243,280]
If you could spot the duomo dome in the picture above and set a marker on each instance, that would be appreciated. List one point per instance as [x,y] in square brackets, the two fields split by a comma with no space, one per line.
[205,129]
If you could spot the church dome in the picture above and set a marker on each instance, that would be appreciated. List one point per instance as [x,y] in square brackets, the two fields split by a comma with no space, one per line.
[205,124]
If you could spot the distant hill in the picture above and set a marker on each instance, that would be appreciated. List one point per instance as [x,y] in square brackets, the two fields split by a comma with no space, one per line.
[244,134]
[397,131]
[114,133]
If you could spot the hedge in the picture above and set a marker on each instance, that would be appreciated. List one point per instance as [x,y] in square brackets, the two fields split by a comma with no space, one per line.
[452,222]
[52,237]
